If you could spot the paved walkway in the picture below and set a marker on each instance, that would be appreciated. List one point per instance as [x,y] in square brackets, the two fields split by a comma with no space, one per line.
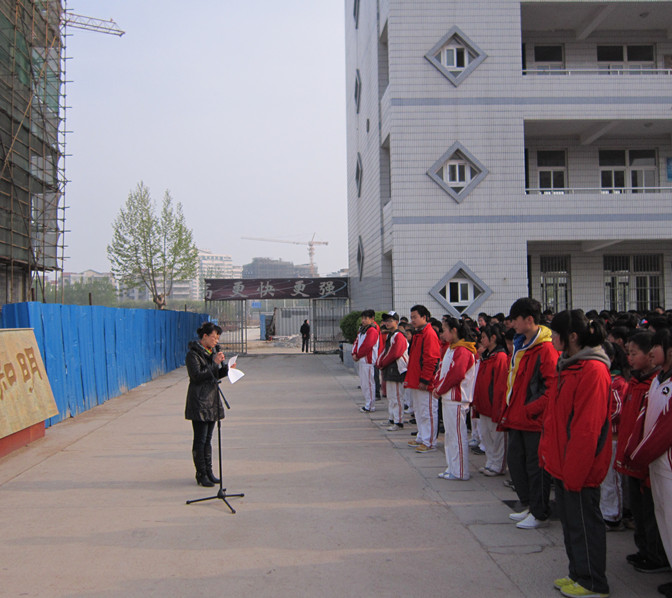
[334,505]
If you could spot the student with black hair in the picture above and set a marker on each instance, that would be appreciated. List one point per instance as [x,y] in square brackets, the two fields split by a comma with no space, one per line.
[454,386]
[650,555]
[652,440]
[575,449]
[489,394]
[611,490]
[364,354]
[423,355]
[531,381]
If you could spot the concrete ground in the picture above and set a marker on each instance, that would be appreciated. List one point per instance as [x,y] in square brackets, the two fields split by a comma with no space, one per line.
[334,505]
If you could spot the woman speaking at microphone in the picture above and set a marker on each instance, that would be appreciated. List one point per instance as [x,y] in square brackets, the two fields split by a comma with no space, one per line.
[205,366]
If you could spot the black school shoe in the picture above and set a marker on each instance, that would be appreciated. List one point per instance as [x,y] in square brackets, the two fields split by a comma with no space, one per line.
[635,558]
[647,566]
[666,589]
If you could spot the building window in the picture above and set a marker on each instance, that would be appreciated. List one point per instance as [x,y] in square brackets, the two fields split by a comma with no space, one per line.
[552,170]
[355,13]
[454,57]
[358,90]
[627,170]
[460,292]
[548,59]
[633,282]
[359,174]
[555,282]
[625,59]
[458,172]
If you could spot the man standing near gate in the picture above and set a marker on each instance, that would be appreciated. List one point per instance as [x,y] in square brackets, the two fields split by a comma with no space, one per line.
[365,353]
[305,336]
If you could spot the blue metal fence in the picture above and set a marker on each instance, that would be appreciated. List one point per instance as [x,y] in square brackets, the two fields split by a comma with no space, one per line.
[93,354]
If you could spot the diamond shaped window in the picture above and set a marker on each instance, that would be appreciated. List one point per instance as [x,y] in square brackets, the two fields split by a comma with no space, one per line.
[460,291]
[457,172]
[455,56]
[360,257]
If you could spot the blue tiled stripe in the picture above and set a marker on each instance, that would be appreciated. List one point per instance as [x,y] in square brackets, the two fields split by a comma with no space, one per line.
[531,218]
[522,101]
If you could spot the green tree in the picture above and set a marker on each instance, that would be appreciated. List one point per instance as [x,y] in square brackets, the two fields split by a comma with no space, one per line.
[102,293]
[149,249]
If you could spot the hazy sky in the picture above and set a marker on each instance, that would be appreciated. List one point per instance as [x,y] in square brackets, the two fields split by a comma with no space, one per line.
[237,108]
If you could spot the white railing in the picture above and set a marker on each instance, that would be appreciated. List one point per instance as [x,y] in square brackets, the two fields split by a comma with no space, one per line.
[598,71]
[600,190]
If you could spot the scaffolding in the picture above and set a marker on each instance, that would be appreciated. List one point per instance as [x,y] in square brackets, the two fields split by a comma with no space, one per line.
[32,145]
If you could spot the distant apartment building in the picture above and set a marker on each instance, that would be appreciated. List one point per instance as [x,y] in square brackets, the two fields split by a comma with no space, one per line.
[211,265]
[499,148]
[265,267]
[86,276]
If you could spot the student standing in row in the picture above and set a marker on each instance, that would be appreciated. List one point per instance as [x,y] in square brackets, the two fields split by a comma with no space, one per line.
[489,395]
[393,363]
[422,359]
[655,448]
[650,556]
[454,386]
[365,353]
[532,378]
[576,449]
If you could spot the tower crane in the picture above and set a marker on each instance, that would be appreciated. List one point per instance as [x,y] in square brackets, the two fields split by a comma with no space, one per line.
[311,247]
[91,24]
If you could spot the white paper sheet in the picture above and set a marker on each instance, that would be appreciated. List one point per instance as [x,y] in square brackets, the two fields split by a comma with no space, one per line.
[234,374]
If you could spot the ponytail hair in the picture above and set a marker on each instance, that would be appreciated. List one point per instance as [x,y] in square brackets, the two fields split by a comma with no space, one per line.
[464,331]
[590,333]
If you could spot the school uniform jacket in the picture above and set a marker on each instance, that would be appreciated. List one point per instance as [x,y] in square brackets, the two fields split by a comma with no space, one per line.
[366,344]
[396,346]
[490,387]
[655,446]
[531,380]
[635,401]
[457,373]
[619,388]
[423,357]
[575,445]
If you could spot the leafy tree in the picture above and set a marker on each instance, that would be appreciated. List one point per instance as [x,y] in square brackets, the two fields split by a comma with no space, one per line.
[149,249]
[102,292]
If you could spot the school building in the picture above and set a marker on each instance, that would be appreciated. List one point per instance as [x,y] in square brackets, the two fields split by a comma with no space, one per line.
[499,148]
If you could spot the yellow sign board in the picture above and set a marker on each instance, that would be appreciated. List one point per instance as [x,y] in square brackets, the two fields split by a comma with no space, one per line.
[25,394]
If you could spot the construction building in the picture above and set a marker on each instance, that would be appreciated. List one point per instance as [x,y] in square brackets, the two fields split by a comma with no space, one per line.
[505,148]
[31,145]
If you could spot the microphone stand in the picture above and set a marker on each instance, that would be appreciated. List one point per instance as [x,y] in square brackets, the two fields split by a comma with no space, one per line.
[221,494]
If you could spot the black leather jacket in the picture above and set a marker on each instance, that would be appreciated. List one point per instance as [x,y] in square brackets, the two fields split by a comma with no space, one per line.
[203,402]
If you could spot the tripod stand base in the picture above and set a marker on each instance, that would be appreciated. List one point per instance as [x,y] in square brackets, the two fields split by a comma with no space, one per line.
[221,495]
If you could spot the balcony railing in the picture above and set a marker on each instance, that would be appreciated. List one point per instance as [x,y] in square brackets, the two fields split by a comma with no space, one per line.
[598,71]
[599,190]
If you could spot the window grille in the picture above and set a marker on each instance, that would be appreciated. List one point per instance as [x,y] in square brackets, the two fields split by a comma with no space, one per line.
[555,282]
[633,282]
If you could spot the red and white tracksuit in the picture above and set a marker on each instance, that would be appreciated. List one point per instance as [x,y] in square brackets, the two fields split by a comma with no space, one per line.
[454,383]
[489,396]
[395,350]
[365,350]
[655,450]
[423,357]
[611,489]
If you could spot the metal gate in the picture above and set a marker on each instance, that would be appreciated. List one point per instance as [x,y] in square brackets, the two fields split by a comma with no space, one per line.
[231,316]
[325,323]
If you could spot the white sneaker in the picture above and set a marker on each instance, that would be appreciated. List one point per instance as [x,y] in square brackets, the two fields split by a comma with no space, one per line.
[393,428]
[531,522]
[519,516]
